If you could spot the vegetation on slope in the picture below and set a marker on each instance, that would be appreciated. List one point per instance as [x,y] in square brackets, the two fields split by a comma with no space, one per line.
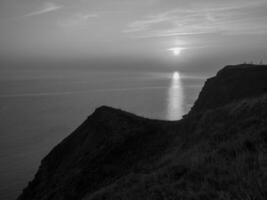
[217,151]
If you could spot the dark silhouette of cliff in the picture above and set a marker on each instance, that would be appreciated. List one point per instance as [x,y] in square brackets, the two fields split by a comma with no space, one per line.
[232,83]
[217,151]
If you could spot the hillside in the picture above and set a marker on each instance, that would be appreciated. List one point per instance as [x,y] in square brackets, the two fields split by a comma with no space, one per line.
[217,151]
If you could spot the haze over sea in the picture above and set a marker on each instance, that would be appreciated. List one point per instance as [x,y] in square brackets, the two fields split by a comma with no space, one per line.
[39,107]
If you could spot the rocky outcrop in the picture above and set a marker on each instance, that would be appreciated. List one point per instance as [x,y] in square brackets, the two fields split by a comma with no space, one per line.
[217,151]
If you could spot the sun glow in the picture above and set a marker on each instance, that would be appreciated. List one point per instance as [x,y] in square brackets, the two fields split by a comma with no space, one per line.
[176,50]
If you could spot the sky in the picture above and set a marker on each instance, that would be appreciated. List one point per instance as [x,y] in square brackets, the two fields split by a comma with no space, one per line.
[133,34]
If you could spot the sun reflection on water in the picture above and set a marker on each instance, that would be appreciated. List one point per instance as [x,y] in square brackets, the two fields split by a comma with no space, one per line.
[175,107]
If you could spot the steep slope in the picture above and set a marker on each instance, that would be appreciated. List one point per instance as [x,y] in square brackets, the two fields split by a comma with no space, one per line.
[108,145]
[224,158]
[217,151]
[230,84]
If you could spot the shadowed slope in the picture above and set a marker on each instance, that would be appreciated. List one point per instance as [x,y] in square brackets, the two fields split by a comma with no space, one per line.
[108,145]
[230,84]
[224,157]
[218,151]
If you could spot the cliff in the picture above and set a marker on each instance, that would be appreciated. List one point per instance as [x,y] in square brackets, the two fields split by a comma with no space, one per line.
[217,151]
[232,83]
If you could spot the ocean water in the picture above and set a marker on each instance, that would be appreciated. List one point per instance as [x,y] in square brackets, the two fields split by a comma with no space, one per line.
[39,107]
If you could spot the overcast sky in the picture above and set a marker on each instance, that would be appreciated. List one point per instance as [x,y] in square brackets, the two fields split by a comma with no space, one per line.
[134,33]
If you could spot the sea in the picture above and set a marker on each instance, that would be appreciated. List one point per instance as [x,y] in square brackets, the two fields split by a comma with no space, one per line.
[40,107]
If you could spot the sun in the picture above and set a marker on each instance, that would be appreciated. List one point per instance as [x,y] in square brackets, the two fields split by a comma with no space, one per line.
[176,50]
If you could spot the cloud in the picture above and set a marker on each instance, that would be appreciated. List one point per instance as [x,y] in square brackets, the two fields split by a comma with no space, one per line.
[78,19]
[246,18]
[146,23]
[46,8]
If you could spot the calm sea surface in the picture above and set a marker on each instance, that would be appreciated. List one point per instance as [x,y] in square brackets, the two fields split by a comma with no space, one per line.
[38,108]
